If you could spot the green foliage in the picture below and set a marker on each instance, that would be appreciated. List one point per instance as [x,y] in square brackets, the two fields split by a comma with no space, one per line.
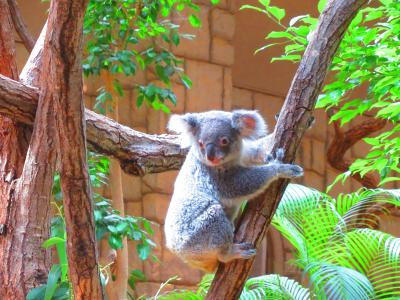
[116,32]
[109,224]
[261,287]
[369,57]
[336,245]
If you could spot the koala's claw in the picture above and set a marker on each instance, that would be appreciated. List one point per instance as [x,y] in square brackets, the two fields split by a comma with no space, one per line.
[295,171]
[280,153]
[246,254]
[269,158]
[246,250]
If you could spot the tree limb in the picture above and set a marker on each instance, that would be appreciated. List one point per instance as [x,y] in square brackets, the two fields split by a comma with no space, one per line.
[292,123]
[344,140]
[138,153]
[19,25]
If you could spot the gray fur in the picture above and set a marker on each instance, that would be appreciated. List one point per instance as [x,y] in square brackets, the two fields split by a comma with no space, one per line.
[208,194]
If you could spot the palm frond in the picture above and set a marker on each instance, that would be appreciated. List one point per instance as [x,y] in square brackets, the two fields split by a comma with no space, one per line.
[335,282]
[274,287]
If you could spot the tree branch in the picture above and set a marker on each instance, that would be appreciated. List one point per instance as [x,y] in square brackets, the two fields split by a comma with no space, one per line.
[138,153]
[19,25]
[343,141]
[290,128]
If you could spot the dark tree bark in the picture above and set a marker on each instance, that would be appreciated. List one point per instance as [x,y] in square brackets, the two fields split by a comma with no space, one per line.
[138,153]
[292,123]
[16,272]
[62,87]
[344,140]
[19,25]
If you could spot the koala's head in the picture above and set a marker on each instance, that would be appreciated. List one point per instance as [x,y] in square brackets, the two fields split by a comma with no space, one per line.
[216,136]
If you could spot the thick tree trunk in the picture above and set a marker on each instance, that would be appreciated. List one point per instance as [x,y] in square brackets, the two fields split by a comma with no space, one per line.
[62,60]
[292,123]
[26,266]
[138,153]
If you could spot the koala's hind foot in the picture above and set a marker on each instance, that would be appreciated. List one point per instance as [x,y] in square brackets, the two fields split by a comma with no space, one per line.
[237,251]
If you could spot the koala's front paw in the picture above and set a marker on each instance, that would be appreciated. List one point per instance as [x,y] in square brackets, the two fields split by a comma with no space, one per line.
[292,171]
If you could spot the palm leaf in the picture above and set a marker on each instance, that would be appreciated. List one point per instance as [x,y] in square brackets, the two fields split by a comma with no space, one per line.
[274,287]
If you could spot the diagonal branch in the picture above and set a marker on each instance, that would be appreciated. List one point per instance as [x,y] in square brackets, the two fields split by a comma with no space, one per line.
[138,153]
[20,26]
[344,140]
[292,123]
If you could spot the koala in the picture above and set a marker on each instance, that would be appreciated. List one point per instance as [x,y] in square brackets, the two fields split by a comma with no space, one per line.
[222,169]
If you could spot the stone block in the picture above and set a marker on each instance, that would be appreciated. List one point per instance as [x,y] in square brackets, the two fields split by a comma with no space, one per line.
[198,48]
[125,109]
[134,261]
[156,121]
[360,149]
[306,151]
[131,187]
[242,99]
[155,207]
[314,180]
[159,183]
[227,93]
[172,265]
[268,106]
[138,117]
[152,268]
[206,92]
[319,129]
[133,209]
[319,156]
[180,92]
[223,24]
[222,52]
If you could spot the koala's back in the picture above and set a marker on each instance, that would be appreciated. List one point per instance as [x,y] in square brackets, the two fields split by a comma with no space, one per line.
[196,222]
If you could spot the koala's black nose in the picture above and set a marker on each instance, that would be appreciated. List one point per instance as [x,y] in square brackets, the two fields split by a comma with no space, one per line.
[210,152]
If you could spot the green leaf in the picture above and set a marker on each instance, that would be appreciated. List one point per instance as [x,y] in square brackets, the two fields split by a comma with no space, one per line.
[279,34]
[278,13]
[321,5]
[194,21]
[143,251]
[52,281]
[53,241]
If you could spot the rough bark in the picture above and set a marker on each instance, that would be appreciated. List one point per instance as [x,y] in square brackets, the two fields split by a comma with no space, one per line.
[291,125]
[344,140]
[138,153]
[17,273]
[19,25]
[62,59]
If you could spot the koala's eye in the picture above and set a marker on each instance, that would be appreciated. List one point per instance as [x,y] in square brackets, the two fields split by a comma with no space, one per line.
[201,144]
[224,141]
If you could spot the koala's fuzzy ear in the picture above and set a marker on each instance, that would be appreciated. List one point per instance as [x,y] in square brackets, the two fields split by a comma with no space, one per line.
[185,125]
[249,123]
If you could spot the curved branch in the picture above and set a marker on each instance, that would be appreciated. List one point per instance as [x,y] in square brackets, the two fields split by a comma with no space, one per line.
[343,141]
[292,123]
[138,153]
[19,25]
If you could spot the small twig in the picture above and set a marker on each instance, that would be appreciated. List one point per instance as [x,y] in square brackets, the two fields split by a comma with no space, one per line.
[20,26]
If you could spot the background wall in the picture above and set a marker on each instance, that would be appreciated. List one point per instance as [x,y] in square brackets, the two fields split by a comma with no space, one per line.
[226,75]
